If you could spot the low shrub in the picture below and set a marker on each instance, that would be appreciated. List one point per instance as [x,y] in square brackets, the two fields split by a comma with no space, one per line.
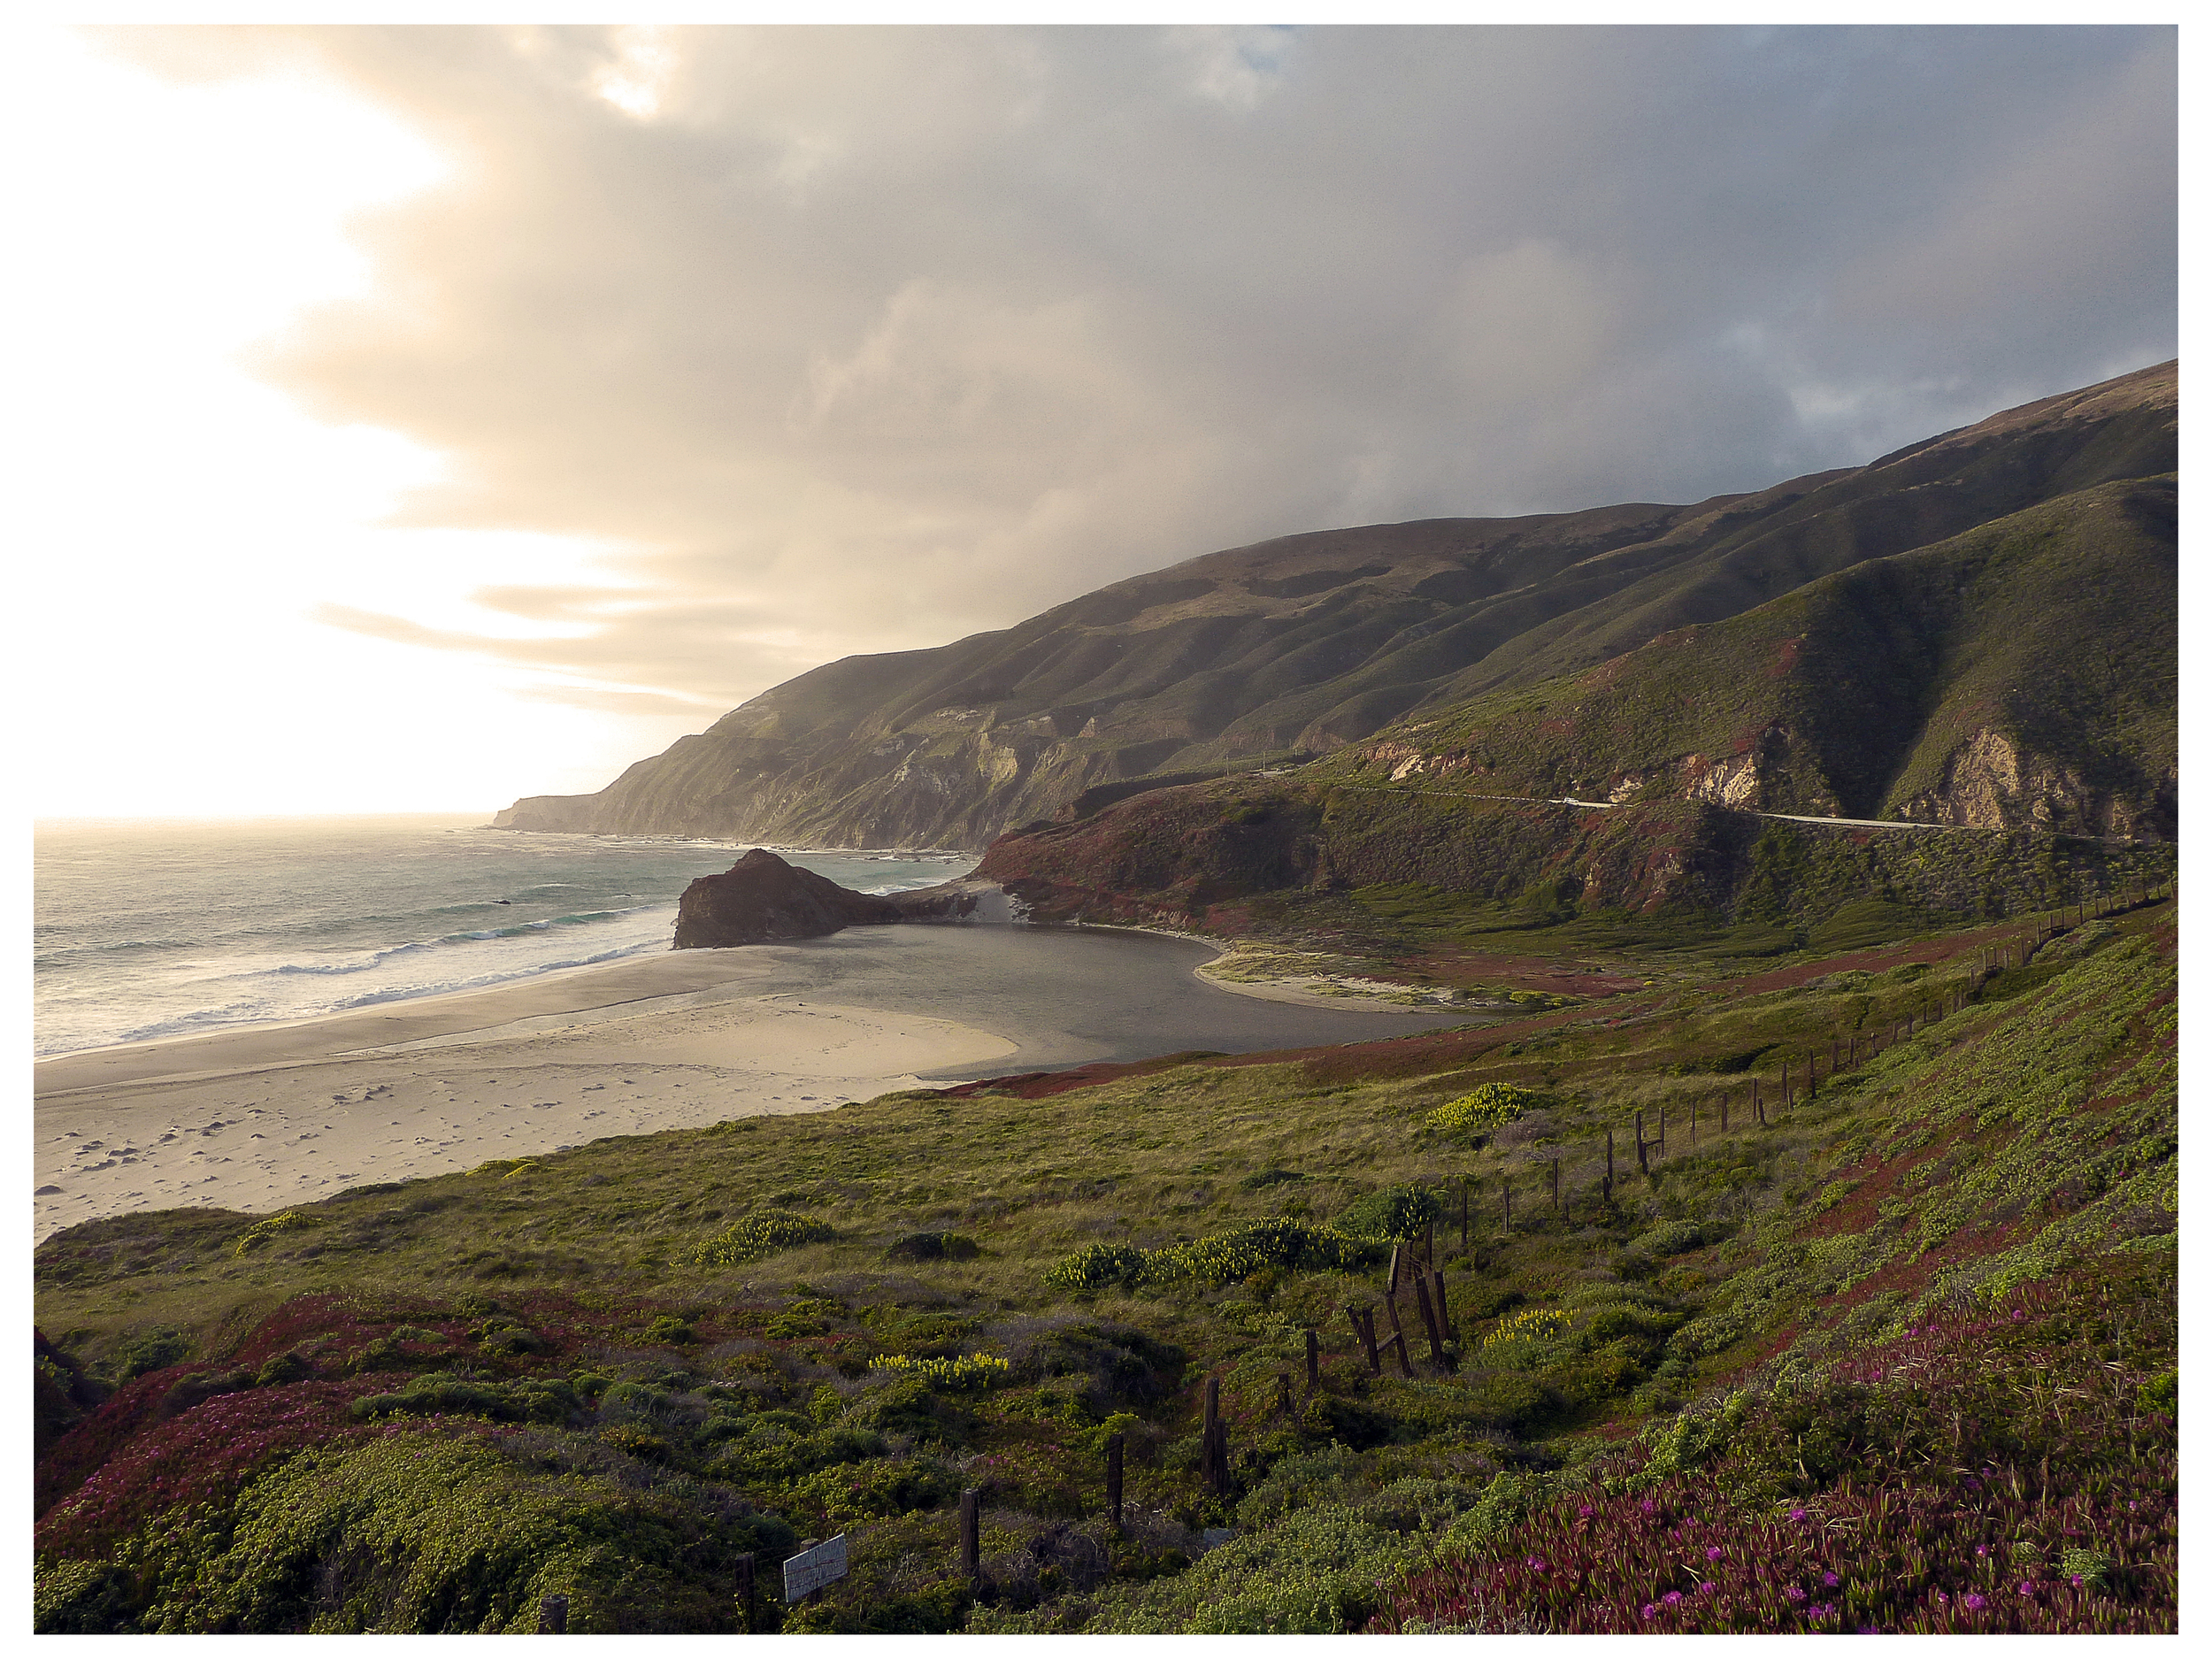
[1394,1212]
[1220,1258]
[969,1371]
[763,1232]
[1488,1107]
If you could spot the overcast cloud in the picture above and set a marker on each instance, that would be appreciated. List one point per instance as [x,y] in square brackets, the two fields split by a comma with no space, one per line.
[867,339]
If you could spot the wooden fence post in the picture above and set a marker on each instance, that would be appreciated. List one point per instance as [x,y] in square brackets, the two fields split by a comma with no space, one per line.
[1428,1245]
[1663,1131]
[1428,1321]
[1505,1191]
[1786,1085]
[1113,1481]
[972,1536]
[553,1614]
[1214,1447]
[1444,1311]
[1554,1186]
[1390,1286]
[1398,1338]
[1643,1162]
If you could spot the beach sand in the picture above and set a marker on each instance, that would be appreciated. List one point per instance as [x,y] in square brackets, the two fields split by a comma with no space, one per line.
[259,1118]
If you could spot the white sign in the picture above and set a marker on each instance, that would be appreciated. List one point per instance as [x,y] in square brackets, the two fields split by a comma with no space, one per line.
[810,1569]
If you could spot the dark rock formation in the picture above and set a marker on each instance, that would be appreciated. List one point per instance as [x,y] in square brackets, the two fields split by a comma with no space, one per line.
[760,897]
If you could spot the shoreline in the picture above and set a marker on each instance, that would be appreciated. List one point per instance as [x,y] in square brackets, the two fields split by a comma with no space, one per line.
[256,1118]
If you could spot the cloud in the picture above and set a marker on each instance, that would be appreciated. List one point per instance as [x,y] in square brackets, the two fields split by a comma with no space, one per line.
[863,340]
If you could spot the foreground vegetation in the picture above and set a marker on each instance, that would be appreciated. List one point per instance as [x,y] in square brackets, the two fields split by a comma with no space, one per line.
[1742,1383]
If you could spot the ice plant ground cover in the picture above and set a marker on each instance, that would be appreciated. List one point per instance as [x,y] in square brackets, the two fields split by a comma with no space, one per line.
[1915,1335]
[1993,1470]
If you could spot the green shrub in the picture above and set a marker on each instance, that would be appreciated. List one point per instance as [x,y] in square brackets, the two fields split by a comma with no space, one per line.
[269,1227]
[969,1371]
[1395,1212]
[1095,1267]
[1220,1258]
[1489,1107]
[151,1352]
[933,1247]
[763,1232]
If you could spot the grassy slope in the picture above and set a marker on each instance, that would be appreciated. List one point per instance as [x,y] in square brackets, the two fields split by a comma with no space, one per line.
[1313,641]
[2055,626]
[655,1417]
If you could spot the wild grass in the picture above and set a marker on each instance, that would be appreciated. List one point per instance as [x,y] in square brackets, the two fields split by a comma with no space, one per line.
[451,1397]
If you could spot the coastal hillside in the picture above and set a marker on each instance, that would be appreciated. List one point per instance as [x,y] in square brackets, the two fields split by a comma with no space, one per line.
[1829,1292]
[2015,684]
[1310,643]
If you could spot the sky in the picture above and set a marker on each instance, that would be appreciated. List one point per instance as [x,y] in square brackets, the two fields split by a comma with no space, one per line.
[412,420]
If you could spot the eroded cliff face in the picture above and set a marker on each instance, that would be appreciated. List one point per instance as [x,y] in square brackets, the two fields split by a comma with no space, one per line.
[1301,646]
[1989,782]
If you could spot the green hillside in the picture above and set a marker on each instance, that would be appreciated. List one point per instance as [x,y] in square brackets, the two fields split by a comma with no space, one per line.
[608,1373]
[2049,637]
[1303,645]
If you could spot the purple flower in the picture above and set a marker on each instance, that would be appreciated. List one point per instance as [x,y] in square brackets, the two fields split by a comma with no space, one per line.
[1797,1514]
[1536,1563]
[1648,1507]
[1712,1552]
[2027,1586]
[1588,1511]
[1975,1603]
[1650,1612]
[1794,1594]
[1705,1588]
[1829,1580]
[1673,1598]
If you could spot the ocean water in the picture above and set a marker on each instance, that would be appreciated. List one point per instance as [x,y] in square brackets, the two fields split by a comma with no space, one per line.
[163,929]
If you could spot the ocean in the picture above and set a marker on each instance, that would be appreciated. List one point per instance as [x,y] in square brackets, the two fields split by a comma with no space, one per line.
[150,929]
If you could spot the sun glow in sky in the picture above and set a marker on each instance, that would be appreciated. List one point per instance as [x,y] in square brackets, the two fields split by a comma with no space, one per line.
[189,521]
[414,419]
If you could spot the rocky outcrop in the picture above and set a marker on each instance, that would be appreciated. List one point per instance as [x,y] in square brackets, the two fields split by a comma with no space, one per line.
[1311,642]
[760,897]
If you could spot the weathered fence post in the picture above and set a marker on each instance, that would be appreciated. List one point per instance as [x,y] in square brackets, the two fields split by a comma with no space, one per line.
[553,1616]
[1283,1392]
[1113,1482]
[1364,1328]
[1390,1284]
[1786,1086]
[972,1536]
[1313,1360]
[1663,1131]
[1724,1110]
[1554,1186]
[1215,1446]
[1428,1322]
[1444,1311]
[1428,1245]
[1505,1191]
[1643,1161]
[1398,1338]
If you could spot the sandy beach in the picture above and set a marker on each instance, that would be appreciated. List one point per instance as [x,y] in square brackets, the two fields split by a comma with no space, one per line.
[259,1118]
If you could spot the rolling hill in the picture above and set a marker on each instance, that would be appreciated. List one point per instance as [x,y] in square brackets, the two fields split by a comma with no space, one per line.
[1904,693]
